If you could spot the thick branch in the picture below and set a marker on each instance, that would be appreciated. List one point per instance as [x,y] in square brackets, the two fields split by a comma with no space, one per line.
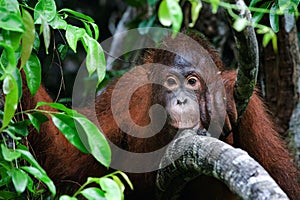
[192,155]
[248,60]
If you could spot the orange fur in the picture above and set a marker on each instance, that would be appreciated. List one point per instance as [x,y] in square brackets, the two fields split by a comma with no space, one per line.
[255,134]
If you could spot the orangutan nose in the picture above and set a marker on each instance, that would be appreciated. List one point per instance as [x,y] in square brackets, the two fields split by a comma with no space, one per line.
[181,101]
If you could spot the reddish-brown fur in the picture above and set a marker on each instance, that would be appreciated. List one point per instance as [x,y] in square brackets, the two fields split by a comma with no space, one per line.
[255,134]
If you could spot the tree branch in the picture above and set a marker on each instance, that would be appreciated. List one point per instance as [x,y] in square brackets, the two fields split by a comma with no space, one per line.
[119,38]
[248,59]
[192,155]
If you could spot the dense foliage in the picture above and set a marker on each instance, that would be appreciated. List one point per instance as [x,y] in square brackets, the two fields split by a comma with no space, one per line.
[20,29]
[170,13]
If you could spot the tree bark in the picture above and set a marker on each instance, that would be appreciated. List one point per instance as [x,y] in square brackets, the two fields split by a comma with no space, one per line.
[280,78]
[280,73]
[247,60]
[192,155]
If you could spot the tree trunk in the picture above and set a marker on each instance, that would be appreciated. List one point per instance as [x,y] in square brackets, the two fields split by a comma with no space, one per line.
[191,155]
[280,77]
[280,74]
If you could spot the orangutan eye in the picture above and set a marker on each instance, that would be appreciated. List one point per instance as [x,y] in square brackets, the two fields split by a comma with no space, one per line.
[193,83]
[171,83]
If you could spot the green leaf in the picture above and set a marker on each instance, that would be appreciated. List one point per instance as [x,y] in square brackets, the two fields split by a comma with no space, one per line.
[5,168]
[63,50]
[96,30]
[30,159]
[37,119]
[10,21]
[170,13]
[58,23]
[10,89]
[111,188]
[77,14]
[274,18]
[36,170]
[196,6]
[19,179]
[27,37]
[46,34]
[8,195]
[120,185]
[8,58]
[30,185]
[92,180]
[164,14]
[67,126]
[12,38]
[215,5]
[240,24]
[257,16]
[119,182]
[89,31]
[65,100]
[87,28]
[33,73]
[22,147]
[289,19]
[176,14]
[20,127]
[66,197]
[9,154]
[98,145]
[45,10]
[57,106]
[11,133]
[17,76]
[95,59]
[40,175]
[282,3]
[263,30]
[93,193]
[36,44]
[10,5]
[274,43]
[254,2]
[125,177]
[73,34]
[266,39]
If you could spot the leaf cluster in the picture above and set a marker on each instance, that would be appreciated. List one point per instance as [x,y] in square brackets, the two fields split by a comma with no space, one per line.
[169,13]
[111,187]
[21,28]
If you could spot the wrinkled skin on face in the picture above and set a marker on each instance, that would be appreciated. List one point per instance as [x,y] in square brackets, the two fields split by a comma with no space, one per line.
[181,100]
[182,92]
